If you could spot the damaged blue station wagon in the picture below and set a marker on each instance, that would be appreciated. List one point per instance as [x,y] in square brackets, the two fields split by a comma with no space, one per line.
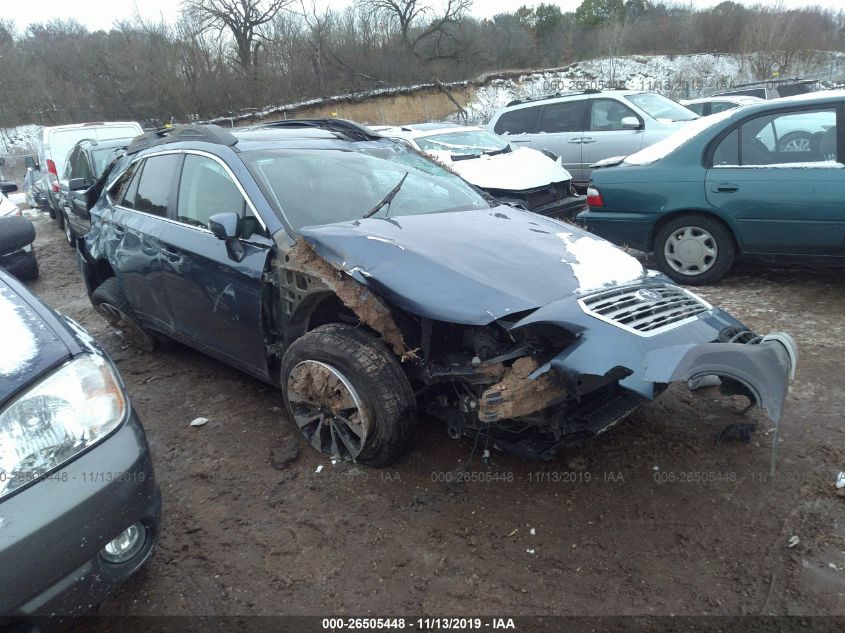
[371,285]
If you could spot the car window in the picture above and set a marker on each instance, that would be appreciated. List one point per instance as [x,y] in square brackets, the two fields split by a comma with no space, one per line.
[721,106]
[205,190]
[606,115]
[698,108]
[82,168]
[118,190]
[71,161]
[519,121]
[808,136]
[660,107]
[567,116]
[463,143]
[311,187]
[152,193]
[727,152]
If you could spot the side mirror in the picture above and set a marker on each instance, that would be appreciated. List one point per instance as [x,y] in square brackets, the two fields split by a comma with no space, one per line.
[77,184]
[630,123]
[8,187]
[224,226]
[30,163]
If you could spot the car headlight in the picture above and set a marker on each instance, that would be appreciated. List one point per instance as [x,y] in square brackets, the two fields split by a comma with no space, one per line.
[61,416]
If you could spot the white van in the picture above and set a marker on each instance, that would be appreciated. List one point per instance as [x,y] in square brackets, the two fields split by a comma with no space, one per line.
[55,142]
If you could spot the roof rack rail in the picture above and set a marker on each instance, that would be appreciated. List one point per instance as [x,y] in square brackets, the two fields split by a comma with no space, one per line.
[207,133]
[588,91]
[348,128]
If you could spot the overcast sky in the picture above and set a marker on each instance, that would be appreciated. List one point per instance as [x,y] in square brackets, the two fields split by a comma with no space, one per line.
[100,14]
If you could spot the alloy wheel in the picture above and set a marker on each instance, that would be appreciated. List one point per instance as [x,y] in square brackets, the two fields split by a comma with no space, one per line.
[327,409]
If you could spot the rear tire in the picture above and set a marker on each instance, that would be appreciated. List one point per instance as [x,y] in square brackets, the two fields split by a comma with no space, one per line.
[109,301]
[694,249]
[348,395]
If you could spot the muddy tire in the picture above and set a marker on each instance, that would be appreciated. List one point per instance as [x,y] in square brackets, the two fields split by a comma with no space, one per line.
[109,301]
[694,249]
[348,396]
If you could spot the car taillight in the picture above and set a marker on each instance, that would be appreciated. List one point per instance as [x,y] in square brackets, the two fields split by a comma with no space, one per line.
[594,197]
[51,169]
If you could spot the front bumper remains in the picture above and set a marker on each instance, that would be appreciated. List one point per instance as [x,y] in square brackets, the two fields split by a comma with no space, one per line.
[610,369]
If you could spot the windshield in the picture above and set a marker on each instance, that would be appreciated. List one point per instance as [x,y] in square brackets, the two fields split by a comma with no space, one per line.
[659,107]
[463,143]
[322,186]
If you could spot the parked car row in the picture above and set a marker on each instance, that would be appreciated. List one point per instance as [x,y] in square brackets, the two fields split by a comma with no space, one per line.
[360,274]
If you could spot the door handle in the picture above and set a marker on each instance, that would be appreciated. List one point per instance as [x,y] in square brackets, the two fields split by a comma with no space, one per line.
[577,140]
[726,187]
[588,139]
[118,230]
[170,255]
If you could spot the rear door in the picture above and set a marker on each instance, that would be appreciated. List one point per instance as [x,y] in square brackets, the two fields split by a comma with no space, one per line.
[605,136]
[216,302]
[143,196]
[784,201]
[560,131]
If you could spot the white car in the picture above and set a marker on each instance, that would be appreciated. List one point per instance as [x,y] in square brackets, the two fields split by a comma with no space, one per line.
[712,105]
[526,177]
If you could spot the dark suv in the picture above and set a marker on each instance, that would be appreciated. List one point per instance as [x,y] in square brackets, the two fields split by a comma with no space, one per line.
[368,282]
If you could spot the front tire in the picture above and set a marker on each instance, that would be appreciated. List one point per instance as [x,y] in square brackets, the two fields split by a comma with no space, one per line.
[694,249]
[109,301]
[70,236]
[348,395]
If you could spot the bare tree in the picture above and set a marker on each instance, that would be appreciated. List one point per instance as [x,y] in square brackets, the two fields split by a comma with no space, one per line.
[242,18]
[612,36]
[426,34]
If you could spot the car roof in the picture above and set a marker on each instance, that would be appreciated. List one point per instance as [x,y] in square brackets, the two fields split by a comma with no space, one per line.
[111,143]
[569,96]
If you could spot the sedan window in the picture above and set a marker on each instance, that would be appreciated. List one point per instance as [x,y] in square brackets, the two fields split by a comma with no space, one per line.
[808,136]
[205,190]
[721,106]
[464,143]
[659,107]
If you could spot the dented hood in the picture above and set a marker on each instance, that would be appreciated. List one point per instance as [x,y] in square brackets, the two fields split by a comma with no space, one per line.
[472,267]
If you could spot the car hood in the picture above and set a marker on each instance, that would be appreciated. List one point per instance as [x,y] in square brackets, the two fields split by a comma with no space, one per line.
[518,170]
[30,345]
[472,267]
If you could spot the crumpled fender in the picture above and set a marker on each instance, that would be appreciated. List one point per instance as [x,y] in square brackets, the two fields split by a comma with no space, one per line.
[763,369]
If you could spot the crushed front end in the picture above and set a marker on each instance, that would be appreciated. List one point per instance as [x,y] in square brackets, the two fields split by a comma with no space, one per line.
[573,368]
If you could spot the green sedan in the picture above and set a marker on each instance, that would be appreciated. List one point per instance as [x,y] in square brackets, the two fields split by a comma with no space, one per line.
[764,180]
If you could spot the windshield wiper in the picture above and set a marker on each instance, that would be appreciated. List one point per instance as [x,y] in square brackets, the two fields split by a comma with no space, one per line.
[387,199]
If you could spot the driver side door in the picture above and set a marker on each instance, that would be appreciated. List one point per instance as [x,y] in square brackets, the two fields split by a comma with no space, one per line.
[215,301]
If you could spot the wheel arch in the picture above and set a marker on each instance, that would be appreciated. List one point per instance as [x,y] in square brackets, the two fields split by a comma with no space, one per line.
[668,217]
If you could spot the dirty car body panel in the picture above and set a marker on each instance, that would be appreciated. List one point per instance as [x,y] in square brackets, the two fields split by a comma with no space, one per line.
[507,324]
[59,508]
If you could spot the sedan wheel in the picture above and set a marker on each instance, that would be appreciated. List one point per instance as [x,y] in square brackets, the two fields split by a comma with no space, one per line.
[327,409]
[690,250]
[694,248]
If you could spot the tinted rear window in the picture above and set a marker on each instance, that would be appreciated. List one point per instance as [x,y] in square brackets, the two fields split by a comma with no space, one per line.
[520,121]
[156,183]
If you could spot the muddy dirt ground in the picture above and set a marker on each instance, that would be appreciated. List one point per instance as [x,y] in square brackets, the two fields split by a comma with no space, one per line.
[651,518]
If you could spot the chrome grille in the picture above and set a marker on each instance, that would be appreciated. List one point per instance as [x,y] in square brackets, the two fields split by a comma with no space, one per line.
[646,309]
